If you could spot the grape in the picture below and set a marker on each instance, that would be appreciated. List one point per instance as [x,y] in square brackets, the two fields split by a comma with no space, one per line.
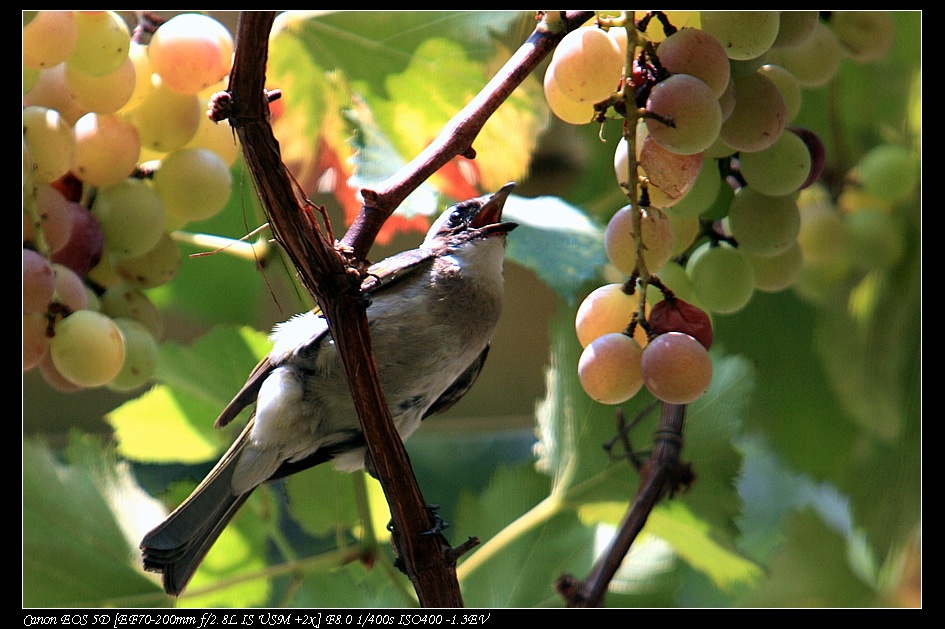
[700,196]
[191,52]
[86,243]
[877,239]
[677,315]
[818,153]
[153,268]
[777,272]
[743,34]
[48,39]
[609,369]
[721,205]
[102,42]
[676,368]
[674,277]
[696,52]
[141,356]
[51,91]
[759,115]
[218,137]
[685,231]
[103,94]
[87,348]
[693,110]
[107,149]
[722,278]
[727,102]
[124,301]
[607,309]
[823,234]
[35,341]
[165,119]
[763,224]
[587,65]
[193,184]
[131,216]
[138,54]
[70,289]
[669,175]
[866,35]
[656,233]
[55,216]
[780,169]
[788,86]
[813,62]
[53,378]
[888,172]
[795,27]
[39,281]
[571,111]
[50,141]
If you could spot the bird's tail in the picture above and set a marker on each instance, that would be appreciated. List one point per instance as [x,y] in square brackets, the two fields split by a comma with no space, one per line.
[178,545]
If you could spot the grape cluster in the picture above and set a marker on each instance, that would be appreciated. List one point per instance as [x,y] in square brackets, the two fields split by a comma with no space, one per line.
[715,170]
[116,156]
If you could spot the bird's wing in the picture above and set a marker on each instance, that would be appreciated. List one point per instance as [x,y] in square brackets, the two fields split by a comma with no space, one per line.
[460,386]
[390,270]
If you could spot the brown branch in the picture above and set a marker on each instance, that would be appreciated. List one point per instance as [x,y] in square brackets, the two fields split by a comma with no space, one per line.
[661,474]
[457,136]
[332,273]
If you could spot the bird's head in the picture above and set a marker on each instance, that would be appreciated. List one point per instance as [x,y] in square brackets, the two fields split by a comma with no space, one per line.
[475,219]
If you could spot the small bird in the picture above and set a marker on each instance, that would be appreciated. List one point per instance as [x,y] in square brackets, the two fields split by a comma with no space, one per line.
[432,313]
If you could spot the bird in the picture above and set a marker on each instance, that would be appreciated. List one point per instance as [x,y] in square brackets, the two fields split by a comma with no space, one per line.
[432,312]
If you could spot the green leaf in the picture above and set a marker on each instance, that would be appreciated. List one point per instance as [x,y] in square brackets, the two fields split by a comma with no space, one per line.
[557,241]
[76,552]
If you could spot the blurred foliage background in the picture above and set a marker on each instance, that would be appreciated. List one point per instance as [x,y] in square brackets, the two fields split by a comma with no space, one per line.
[807,448]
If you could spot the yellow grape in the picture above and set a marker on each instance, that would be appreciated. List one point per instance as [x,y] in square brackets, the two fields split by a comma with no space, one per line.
[609,368]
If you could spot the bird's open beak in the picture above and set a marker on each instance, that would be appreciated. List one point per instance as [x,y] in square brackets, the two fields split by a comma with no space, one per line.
[488,220]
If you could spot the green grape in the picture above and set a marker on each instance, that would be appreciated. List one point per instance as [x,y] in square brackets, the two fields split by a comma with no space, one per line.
[685,230]
[743,34]
[165,119]
[138,54]
[102,42]
[191,52]
[153,268]
[107,149]
[141,356]
[697,53]
[813,62]
[568,110]
[722,278]
[193,184]
[88,348]
[53,378]
[218,137]
[609,369]
[48,39]
[888,172]
[692,108]
[703,192]
[587,65]
[607,309]
[759,115]
[877,239]
[674,277]
[131,215]
[676,368]
[823,234]
[778,272]
[104,94]
[124,301]
[780,169]
[721,205]
[656,234]
[867,36]
[50,141]
[788,86]
[795,27]
[763,224]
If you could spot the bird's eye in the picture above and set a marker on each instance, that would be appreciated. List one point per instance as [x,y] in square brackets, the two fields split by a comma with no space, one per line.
[456,218]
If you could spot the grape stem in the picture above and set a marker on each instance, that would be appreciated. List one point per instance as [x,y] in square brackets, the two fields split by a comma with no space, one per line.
[661,474]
